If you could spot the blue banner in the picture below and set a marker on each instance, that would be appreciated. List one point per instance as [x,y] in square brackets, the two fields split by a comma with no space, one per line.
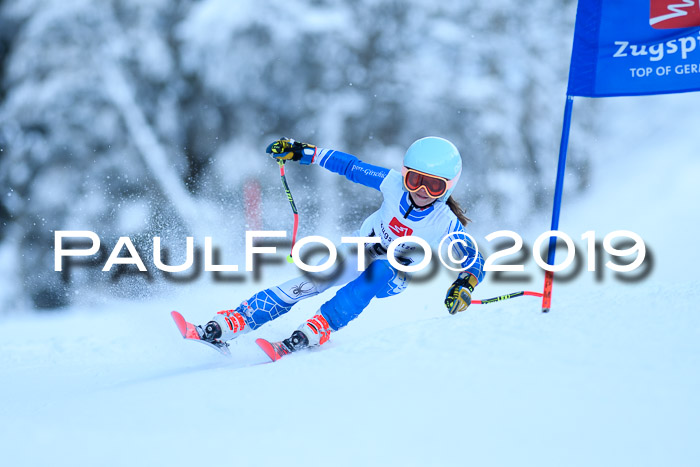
[635,47]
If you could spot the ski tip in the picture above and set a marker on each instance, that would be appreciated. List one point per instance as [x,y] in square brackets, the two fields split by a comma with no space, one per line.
[268,349]
[180,323]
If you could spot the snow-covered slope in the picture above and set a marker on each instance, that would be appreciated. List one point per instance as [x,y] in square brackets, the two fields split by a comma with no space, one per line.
[609,377]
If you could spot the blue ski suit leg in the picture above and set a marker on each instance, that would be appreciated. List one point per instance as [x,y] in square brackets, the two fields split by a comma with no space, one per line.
[378,280]
[273,302]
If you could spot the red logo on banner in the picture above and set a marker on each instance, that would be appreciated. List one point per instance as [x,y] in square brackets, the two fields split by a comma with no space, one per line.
[399,229]
[674,14]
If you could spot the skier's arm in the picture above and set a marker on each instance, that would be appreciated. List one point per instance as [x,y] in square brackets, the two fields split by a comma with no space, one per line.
[459,295]
[351,167]
[336,161]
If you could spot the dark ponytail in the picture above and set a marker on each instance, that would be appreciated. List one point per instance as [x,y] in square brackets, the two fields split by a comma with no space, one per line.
[457,211]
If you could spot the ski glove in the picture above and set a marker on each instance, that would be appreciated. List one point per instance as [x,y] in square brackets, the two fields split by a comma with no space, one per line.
[289,150]
[459,295]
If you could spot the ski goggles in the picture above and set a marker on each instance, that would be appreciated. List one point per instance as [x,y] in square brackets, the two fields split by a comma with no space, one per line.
[414,180]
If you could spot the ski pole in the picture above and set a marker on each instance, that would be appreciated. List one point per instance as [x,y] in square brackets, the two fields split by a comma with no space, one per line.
[294,208]
[506,297]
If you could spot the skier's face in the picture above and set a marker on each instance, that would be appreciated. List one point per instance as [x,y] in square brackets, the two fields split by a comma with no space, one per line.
[421,198]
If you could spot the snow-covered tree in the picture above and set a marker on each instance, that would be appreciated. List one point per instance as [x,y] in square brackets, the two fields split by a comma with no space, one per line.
[146,118]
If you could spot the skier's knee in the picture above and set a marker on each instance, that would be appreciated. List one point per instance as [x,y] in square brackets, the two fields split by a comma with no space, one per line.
[354,297]
[396,284]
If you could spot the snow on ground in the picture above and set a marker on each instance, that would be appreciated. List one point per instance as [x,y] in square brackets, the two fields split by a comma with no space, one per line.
[609,377]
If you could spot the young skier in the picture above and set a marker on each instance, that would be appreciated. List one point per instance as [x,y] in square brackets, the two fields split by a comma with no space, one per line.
[416,202]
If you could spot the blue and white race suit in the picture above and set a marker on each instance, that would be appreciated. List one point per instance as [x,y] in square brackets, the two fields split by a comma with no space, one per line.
[397,217]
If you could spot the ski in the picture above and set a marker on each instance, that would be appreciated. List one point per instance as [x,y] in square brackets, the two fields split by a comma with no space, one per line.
[274,350]
[189,332]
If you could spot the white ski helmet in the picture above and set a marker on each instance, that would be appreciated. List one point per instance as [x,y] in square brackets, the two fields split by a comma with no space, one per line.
[434,156]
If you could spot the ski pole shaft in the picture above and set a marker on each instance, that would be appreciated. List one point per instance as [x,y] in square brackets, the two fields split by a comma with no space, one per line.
[294,208]
[506,297]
